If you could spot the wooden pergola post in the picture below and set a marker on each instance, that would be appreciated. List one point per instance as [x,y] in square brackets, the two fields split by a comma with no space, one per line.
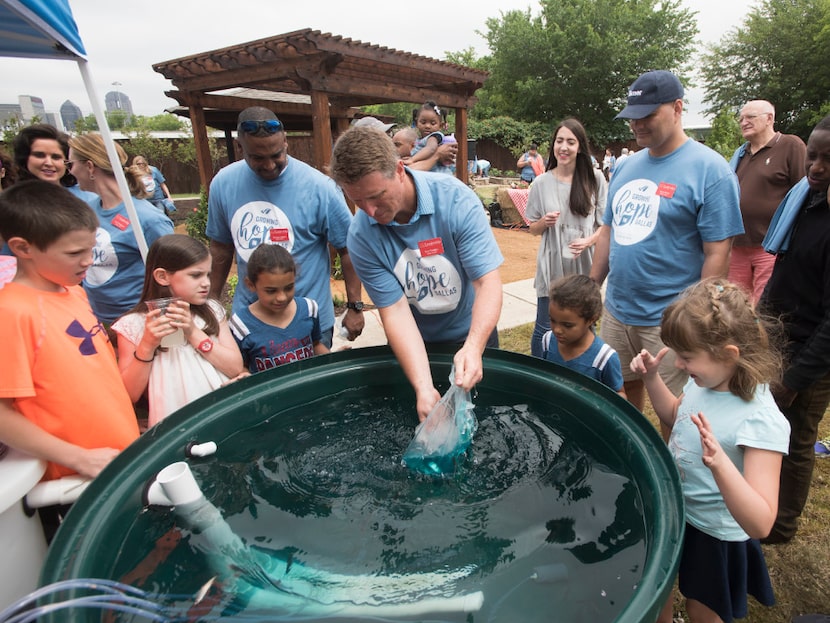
[461,137]
[322,130]
[200,138]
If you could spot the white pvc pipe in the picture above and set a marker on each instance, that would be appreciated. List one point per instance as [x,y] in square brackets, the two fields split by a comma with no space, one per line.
[300,587]
[201,449]
[178,484]
[60,491]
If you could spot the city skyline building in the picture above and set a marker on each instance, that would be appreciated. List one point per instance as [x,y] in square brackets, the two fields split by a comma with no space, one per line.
[54,119]
[31,106]
[10,113]
[70,114]
[116,101]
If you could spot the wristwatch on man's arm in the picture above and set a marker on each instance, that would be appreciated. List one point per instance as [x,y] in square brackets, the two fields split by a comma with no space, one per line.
[356,306]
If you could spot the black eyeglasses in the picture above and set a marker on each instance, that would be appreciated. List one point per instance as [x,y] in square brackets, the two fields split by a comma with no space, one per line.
[269,126]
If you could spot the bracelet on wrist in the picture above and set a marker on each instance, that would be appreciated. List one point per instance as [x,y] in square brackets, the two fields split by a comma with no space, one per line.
[150,360]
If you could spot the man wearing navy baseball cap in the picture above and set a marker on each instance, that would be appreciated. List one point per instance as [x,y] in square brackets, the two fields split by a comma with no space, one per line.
[649,91]
[672,211]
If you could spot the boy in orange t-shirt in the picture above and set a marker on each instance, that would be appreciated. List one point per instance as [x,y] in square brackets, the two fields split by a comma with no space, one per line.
[61,395]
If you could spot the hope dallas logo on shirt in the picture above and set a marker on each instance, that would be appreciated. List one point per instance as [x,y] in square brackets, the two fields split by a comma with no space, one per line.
[259,222]
[635,207]
[432,284]
[104,260]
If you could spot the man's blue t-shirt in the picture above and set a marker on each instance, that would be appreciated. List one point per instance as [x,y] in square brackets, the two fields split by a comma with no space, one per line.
[661,211]
[432,260]
[303,210]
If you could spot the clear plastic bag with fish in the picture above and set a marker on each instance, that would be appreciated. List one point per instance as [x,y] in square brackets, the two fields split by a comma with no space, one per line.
[442,438]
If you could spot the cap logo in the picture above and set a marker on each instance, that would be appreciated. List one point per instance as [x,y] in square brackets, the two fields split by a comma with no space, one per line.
[635,93]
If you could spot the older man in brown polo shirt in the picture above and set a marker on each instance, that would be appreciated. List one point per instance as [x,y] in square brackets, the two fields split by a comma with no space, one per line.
[767,166]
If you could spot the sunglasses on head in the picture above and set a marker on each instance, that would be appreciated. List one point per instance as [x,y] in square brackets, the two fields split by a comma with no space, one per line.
[269,126]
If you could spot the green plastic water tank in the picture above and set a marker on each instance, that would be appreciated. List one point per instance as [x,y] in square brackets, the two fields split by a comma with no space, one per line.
[90,540]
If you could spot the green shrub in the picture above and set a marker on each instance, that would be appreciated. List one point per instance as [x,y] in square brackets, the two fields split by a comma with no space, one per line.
[336,269]
[510,133]
[196,221]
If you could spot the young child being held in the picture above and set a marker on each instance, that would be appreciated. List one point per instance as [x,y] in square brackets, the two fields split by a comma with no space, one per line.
[575,307]
[276,328]
[61,397]
[728,439]
[429,121]
[404,140]
[204,357]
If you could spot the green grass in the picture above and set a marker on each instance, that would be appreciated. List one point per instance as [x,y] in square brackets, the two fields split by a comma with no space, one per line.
[516,339]
[800,570]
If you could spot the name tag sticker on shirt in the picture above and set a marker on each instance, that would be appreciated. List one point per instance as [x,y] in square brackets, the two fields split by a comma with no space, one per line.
[278,234]
[664,189]
[120,221]
[433,246]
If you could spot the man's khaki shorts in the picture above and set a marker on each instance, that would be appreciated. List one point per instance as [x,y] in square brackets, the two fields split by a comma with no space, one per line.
[629,340]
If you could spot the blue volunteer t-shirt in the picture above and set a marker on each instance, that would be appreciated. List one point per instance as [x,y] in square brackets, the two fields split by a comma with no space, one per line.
[661,211]
[157,179]
[432,260]
[114,281]
[303,210]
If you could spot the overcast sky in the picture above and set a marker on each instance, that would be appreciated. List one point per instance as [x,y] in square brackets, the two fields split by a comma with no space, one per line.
[124,39]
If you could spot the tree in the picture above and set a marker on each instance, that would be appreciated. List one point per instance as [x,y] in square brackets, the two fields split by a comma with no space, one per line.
[725,136]
[578,58]
[119,120]
[141,142]
[512,134]
[484,108]
[12,126]
[775,55]
[401,112]
[164,122]
[186,152]
[467,58]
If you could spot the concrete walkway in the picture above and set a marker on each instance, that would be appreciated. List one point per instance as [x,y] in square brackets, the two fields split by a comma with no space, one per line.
[518,307]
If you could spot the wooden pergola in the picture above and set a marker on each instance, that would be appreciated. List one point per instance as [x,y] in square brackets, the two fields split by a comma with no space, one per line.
[338,74]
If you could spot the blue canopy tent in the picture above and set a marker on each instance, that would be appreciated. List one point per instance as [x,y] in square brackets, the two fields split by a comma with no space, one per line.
[46,29]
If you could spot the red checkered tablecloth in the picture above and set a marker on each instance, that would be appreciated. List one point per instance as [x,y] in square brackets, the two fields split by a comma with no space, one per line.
[519,198]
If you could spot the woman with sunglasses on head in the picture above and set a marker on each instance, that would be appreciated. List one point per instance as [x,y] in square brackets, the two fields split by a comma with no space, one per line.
[113,283]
